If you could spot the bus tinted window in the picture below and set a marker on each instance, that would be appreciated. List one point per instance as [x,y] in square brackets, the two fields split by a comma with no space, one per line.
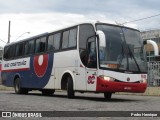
[37,45]
[50,43]
[65,39]
[9,52]
[29,47]
[19,50]
[86,31]
[69,38]
[57,38]
[12,51]
[6,50]
[40,45]
[54,42]
[72,37]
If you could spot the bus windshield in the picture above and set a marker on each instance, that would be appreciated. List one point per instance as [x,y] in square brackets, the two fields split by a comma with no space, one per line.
[124,49]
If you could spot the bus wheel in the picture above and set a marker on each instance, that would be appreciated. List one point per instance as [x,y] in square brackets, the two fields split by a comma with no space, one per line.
[70,91]
[18,88]
[107,95]
[48,92]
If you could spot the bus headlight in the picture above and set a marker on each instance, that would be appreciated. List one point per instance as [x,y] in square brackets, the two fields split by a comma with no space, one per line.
[107,78]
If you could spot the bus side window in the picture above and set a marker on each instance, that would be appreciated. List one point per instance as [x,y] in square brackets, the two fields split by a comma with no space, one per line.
[92,58]
[29,47]
[69,38]
[65,39]
[72,37]
[19,50]
[11,52]
[43,44]
[57,38]
[50,43]
[37,45]
[54,42]
[40,45]
[26,48]
[6,51]
[85,31]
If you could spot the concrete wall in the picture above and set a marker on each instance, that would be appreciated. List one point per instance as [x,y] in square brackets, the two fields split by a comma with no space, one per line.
[150,34]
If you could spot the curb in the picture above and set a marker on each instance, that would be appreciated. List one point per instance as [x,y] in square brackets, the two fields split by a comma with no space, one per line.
[150,91]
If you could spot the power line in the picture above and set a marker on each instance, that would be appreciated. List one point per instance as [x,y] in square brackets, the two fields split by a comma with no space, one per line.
[141,19]
[2,40]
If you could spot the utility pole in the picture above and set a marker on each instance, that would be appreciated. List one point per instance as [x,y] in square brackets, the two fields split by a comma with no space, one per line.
[9,27]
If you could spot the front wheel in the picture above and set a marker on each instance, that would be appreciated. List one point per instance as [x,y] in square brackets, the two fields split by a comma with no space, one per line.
[18,88]
[107,95]
[70,91]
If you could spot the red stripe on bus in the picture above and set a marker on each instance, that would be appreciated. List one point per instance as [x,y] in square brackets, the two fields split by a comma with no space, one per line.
[14,70]
[106,86]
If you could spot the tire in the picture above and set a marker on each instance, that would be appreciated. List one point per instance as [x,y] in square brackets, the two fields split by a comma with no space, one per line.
[70,91]
[48,92]
[18,89]
[107,95]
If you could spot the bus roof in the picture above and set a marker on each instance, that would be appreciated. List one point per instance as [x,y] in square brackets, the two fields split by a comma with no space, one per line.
[39,35]
[27,39]
[93,22]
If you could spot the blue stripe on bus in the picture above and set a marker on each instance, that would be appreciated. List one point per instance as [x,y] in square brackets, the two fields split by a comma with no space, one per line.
[29,79]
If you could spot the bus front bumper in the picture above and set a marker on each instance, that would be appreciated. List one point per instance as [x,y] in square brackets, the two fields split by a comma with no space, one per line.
[111,86]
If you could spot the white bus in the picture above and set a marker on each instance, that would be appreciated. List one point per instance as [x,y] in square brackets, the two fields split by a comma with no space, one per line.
[0,69]
[87,57]
[1,53]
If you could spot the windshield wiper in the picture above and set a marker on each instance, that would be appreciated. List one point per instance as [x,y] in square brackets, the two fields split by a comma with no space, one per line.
[122,55]
[131,55]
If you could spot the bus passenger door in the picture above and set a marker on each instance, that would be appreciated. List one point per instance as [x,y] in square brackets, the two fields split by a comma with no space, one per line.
[91,77]
[91,70]
[80,77]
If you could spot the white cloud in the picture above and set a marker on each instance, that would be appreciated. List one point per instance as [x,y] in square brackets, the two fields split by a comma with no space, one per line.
[38,23]
[38,16]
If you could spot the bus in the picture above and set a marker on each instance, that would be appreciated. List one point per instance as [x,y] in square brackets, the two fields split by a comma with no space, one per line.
[87,57]
[0,69]
[0,65]
[1,53]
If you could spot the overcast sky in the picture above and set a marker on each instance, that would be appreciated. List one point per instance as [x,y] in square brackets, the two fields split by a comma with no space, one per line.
[38,16]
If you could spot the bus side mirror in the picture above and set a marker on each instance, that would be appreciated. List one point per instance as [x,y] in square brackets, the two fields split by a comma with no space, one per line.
[102,38]
[154,44]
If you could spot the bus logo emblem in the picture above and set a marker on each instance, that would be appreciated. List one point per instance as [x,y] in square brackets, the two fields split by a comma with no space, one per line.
[91,79]
[40,64]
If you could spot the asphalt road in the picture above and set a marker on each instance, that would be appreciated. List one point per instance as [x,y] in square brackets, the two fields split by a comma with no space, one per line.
[35,101]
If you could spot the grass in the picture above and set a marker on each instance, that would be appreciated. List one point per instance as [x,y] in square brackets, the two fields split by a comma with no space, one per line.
[150,91]
[3,88]
[153,91]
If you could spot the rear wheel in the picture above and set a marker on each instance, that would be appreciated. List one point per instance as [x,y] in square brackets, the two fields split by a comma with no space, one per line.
[107,95]
[48,92]
[18,88]
[70,91]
